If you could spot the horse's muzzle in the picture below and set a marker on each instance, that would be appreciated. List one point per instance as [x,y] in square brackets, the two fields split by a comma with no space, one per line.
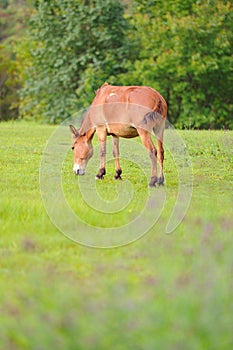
[77,170]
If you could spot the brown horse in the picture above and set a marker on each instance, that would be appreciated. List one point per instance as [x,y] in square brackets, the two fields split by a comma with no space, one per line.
[121,111]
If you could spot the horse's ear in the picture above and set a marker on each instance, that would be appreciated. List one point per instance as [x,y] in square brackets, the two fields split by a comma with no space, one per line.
[73,130]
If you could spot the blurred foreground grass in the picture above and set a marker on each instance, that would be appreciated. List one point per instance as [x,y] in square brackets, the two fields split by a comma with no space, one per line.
[161,292]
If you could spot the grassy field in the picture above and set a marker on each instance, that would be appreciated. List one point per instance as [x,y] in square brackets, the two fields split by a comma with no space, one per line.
[163,291]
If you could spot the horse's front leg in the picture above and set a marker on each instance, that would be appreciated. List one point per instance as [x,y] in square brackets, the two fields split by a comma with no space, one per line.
[116,157]
[102,135]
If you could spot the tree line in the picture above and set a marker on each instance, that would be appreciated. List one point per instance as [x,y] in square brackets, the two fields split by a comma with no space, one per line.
[54,54]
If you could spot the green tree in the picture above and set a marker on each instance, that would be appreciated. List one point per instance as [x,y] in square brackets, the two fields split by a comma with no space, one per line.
[9,85]
[77,45]
[187,55]
[13,17]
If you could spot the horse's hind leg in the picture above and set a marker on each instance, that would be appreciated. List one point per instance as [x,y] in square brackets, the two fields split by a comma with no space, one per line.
[116,157]
[147,142]
[160,154]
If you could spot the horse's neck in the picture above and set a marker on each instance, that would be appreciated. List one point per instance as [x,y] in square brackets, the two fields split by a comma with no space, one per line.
[87,126]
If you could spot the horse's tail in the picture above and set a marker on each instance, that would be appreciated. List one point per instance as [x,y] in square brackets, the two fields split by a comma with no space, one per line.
[159,112]
[155,119]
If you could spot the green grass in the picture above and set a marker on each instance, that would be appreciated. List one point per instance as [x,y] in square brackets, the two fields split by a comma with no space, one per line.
[160,292]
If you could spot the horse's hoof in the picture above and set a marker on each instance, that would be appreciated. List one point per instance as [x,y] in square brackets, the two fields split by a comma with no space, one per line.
[153,181]
[152,185]
[118,174]
[161,181]
[117,177]
[101,173]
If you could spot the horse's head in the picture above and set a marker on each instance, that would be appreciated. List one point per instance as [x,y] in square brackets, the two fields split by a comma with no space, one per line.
[83,150]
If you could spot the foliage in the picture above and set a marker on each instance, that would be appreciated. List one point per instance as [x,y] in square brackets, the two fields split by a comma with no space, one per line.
[187,55]
[73,39]
[151,294]
[12,24]
[8,85]
[181,48]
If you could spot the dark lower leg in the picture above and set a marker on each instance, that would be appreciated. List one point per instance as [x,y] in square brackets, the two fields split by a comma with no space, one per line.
[101,173]
[154,179]
[116,157]
[147,142]
[160,161]
[118,174]
[102,170]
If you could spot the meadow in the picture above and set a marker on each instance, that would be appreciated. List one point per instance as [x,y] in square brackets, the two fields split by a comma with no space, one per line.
[162,291]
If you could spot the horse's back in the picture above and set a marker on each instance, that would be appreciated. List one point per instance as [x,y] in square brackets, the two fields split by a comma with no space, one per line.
[131,95]
[121,109]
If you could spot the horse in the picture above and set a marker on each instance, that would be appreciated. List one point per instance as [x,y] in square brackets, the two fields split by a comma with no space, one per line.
[121,111]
